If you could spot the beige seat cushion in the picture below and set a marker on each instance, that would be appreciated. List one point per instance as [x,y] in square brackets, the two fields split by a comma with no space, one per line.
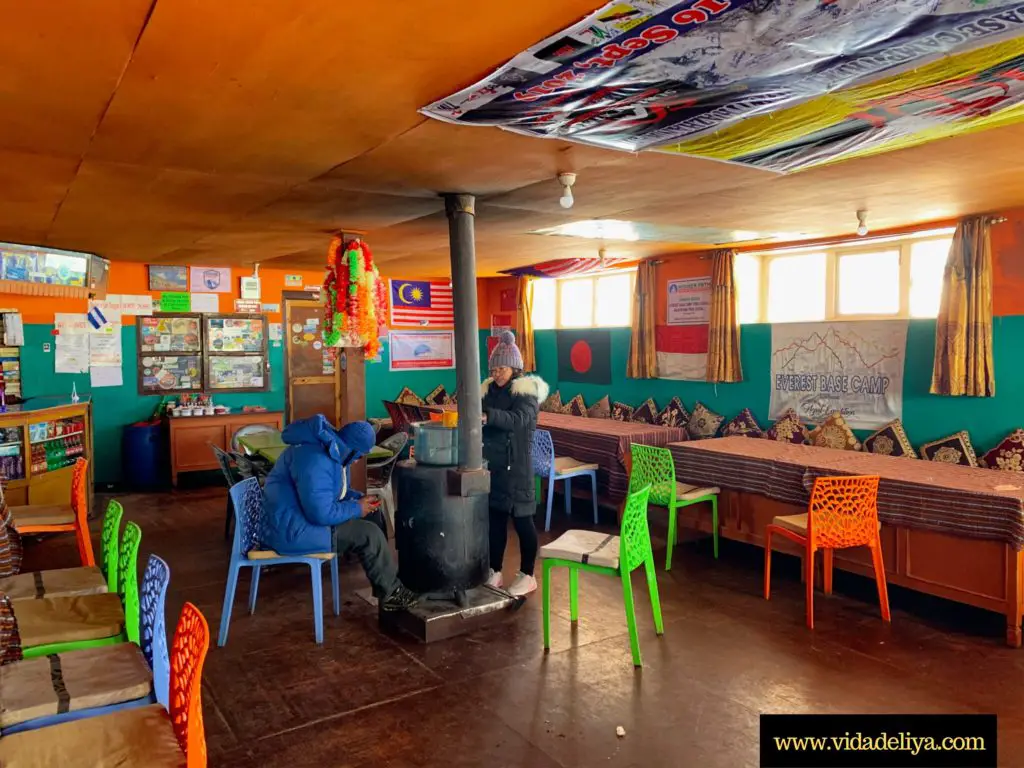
[267,554]
[61,582]
[93,677]
[592,547]
[132,738]
[69,619]
[55,514]
[568,464]
[795,523]
[686,492]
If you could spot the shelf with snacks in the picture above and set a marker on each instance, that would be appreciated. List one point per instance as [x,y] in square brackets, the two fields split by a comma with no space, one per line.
[40,440]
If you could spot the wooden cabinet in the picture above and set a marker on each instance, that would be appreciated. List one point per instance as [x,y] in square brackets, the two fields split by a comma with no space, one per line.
[191,437]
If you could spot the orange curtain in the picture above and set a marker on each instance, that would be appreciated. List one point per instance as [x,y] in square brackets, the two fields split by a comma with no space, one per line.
[524,322]
[963,330]
[724,329]
[643,358]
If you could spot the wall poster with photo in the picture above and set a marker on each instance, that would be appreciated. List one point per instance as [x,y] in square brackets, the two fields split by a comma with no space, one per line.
[169,333]
[165,374]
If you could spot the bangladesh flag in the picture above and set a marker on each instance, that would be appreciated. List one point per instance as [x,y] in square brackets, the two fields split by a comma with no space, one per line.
[585,356]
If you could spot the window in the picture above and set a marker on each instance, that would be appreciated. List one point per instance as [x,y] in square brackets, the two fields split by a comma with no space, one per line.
[887,277]
[598,301]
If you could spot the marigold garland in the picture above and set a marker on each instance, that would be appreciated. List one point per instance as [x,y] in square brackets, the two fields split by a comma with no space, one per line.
[355,298]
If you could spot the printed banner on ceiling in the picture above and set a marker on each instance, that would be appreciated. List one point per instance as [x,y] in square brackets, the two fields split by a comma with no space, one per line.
[649,74]
[855,368]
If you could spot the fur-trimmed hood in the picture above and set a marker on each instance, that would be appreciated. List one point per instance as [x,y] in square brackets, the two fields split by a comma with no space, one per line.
[524,386]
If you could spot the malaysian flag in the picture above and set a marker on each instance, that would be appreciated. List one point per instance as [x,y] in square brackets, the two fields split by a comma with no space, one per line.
[422,302]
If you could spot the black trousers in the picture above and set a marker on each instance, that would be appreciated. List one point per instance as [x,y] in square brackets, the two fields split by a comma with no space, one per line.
[366,541]
[525,530]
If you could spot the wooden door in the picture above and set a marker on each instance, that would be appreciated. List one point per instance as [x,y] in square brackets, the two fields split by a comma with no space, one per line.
[310,371]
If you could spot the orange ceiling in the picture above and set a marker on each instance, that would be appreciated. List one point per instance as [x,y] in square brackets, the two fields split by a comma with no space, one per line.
[187,131]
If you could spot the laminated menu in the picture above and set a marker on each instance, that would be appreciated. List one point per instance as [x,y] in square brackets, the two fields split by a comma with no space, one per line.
[169,334]
[236,372]
[170,373]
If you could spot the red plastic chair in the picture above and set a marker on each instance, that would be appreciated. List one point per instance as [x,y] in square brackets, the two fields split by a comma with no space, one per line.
[62,519]
[843,512]
[188,653]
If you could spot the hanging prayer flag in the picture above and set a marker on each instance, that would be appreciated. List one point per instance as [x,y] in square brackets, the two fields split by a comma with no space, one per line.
[585,356]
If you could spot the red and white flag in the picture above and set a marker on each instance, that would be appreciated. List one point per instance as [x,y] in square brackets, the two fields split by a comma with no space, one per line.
[682,352]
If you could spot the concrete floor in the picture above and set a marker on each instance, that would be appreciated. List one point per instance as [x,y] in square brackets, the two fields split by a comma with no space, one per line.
[273,698]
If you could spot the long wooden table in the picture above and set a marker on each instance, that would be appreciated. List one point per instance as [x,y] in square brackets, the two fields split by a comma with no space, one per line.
[605,442]
[950,531]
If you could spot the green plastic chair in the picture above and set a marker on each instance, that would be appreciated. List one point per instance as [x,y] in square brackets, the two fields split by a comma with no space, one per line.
[608,555]
[128,581]
[654,467]
[110,544]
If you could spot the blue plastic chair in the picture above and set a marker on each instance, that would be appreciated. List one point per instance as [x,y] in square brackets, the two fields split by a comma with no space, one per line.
[555,468]
[247,499]
[153,634]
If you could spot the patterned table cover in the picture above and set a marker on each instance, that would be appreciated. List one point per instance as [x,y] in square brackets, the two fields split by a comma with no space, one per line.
[913,493]
[605,442]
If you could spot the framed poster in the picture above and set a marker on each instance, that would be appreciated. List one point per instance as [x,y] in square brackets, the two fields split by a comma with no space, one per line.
[165,374]
[209,280]
[422,350]
[169,333]
[168,278]
[236,373]
[235,333]
[236,353]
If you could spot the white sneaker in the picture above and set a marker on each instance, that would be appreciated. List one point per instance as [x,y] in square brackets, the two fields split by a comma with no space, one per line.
[494,579]
[523,585]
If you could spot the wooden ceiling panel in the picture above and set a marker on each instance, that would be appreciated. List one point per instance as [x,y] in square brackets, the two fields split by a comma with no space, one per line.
[294,89]
[151,210]
[31,189]
[438,157]
[59,66]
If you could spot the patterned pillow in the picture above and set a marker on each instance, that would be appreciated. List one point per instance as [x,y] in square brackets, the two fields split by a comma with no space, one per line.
[622,412]
[703,422]
[788,429]
[408,397]
[834,432]
[10,640]
[438,397]
[674,414]
[602,409]
[646,412]
[575,407]
[744,424]
[1008,455]
[553,404]
[890,440]
[955,449]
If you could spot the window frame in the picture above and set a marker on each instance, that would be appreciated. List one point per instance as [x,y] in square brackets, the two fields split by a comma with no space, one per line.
[592,277]
[833,253]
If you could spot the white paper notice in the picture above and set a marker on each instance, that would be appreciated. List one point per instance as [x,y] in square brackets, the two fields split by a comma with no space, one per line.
[136,305]
[72,353]
[106,376]
[105,346]
[205,302]
[276,331]
[68,323]
[110,307]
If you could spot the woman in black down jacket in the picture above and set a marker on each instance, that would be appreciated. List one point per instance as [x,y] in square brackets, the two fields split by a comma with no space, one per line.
[511,402]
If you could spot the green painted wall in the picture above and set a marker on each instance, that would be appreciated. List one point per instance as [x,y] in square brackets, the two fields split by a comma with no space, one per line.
[926,417]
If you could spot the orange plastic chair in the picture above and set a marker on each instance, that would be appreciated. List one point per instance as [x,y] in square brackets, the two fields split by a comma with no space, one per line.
[843,512]
[188,653]
[39,518]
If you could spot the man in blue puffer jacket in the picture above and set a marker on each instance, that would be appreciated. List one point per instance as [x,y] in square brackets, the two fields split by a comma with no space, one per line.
[309,506]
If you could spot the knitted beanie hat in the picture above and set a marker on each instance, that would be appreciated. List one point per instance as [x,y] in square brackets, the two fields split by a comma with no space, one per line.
[506,354]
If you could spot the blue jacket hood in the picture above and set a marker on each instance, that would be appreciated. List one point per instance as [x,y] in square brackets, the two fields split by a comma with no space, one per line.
[344,446]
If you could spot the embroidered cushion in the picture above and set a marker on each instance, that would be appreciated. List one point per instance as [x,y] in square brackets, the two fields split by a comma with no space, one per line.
[622,412]
[703,422]
[955,449]
[602,409]
[788,429]
[674,414]
[890,440]
[744,424]
[553,404]
[1008,455]
[438,397]
[575,407]
[408,397]
[834,432]
[646,412]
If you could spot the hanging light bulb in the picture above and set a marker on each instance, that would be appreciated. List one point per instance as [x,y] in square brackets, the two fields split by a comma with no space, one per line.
[566,180]
[862,225]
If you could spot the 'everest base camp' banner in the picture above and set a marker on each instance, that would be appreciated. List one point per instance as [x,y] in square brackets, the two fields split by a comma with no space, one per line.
[855,368]
[701,77]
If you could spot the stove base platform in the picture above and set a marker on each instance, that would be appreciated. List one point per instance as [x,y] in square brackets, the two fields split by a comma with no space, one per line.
[439,617]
